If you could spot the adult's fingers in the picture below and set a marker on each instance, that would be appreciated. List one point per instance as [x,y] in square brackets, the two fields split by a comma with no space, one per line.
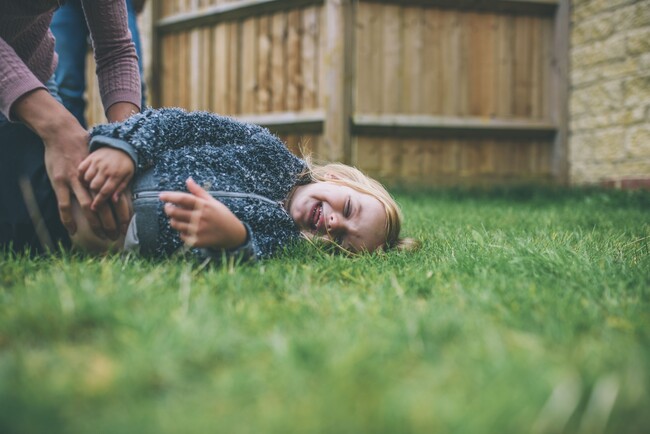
[123,212]
[63,199]
[84,199]
[107,219]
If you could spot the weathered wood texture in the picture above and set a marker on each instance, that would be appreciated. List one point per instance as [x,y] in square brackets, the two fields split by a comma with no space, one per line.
[415,91]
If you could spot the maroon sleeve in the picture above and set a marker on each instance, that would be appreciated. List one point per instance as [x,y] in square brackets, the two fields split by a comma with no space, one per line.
[115,55]
[15,78]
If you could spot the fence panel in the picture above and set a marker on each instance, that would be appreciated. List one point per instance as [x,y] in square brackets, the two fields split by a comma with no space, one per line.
[417,91]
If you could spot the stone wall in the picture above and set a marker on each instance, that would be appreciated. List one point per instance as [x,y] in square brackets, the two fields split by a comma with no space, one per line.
[609,108]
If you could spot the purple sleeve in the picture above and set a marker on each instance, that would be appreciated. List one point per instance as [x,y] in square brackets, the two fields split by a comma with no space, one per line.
[115,56]
[15,78]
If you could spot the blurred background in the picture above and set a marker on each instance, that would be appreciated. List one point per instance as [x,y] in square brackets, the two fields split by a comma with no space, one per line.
[418,92]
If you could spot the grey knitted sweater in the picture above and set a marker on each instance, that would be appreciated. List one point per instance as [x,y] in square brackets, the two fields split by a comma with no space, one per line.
[243,165]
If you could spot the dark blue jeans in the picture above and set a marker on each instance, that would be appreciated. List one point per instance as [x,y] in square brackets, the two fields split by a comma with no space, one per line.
[71,34]
[22,157]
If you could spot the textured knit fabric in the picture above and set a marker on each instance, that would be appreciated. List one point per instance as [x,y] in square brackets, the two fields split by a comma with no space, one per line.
[27,58]
[220,154]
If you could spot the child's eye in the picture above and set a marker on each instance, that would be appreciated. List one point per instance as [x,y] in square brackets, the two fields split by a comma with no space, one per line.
[346,208]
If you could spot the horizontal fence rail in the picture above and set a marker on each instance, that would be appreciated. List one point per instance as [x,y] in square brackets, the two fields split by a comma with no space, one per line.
[434,126]
[250,8]
[289,122]
[228,12]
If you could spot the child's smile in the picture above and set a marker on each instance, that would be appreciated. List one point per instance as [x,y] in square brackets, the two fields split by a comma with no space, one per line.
[356,221]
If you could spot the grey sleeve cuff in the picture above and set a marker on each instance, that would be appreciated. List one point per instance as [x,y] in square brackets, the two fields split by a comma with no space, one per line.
[103,141]
[247,251]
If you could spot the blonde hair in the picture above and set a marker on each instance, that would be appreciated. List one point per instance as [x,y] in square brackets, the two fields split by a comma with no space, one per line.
[352,177]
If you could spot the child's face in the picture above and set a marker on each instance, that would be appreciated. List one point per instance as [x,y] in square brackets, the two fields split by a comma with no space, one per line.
[354,220]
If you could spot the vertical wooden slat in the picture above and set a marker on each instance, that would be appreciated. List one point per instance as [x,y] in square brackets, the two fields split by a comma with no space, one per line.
[505,66]
[522,67]
[450,63]
[278,65]
[220,77]
[264,65]
[207,68]
[536,50]
[463,24]
[391,89]
[369,60]
[392,62]
[195,82]
[412,37]
[431,62]
[234,77]
[481,71]
[337,86]
[309,58]
[294,80]
[164,97]
[249,65]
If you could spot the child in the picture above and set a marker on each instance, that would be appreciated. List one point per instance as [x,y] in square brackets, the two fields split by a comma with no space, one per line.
[247,194]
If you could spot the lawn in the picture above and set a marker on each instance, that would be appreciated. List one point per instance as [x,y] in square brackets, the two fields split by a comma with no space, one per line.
[525,311]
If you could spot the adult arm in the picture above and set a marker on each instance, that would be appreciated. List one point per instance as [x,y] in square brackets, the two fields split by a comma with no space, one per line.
[16,79]
[115,56]
[66,144]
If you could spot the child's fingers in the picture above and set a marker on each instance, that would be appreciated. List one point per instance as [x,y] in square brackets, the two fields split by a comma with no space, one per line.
[105,192]
[184,200]
[120,188]
[89,174]
[83,166]
[97,182]
[177,213]
[182,227]
[196,189]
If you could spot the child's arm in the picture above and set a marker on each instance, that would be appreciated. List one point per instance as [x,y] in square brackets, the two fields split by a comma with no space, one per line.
[107,172]
[147,135]
[202,220]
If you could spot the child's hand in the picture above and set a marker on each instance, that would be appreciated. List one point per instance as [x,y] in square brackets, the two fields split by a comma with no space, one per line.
[107,172]
[202,220]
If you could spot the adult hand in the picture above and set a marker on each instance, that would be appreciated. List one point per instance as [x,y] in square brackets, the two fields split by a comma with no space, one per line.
[202,220]
[66,144]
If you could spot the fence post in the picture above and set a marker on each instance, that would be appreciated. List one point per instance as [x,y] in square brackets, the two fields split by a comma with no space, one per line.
[560,86]
[337,83]
[154,90]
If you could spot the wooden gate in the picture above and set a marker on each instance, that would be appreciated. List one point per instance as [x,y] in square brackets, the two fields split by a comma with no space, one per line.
[414,91]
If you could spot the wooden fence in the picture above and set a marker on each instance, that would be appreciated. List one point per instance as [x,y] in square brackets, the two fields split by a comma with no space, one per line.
[413,91]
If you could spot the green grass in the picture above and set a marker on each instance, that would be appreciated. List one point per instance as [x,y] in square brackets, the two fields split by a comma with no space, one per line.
[525,311]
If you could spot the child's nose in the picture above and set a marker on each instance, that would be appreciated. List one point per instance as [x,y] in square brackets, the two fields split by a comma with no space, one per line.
[333,222]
